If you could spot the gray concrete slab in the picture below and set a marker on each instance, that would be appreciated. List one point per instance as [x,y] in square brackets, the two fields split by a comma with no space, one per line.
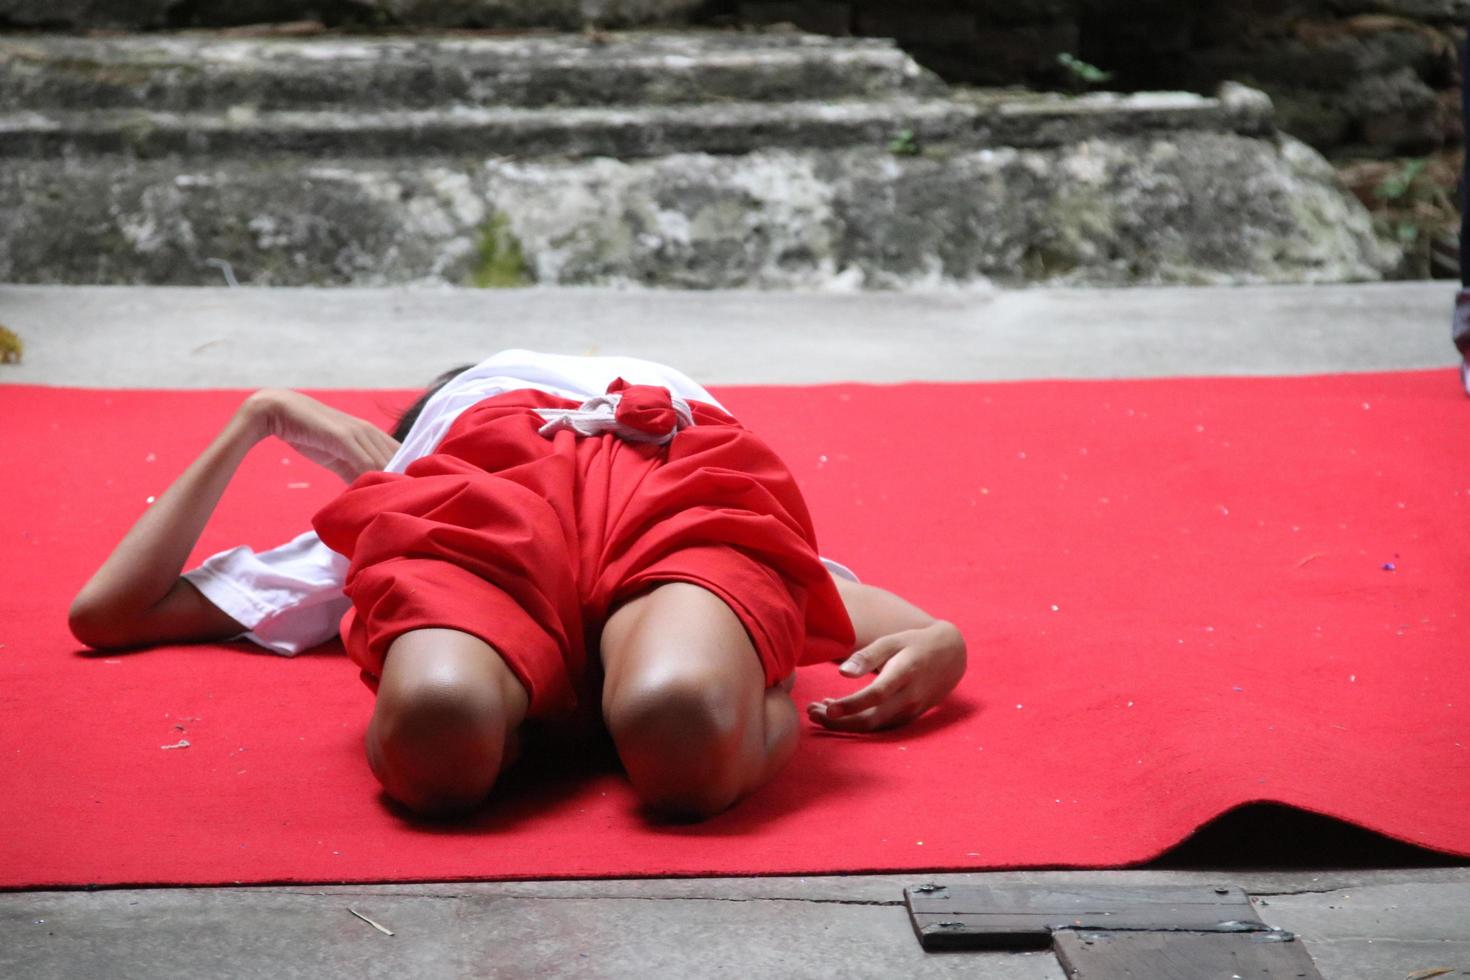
[476,931]
[196,337]
[1361,925]
[1358,924]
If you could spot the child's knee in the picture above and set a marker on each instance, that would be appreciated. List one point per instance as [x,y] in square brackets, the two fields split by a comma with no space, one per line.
[683,740]
[448,708]
[438,744]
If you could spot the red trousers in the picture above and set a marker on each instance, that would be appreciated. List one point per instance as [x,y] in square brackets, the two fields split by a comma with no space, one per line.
[529,543]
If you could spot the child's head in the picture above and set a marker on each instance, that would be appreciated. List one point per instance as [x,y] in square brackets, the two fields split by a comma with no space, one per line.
[411,414]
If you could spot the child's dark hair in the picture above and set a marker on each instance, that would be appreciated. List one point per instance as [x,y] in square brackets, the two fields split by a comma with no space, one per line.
[411,413]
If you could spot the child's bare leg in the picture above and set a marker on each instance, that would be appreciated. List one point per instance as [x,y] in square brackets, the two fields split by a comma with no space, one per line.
[445,722]
[686,702]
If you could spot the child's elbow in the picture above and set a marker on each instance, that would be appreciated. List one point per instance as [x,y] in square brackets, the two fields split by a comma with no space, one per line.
[94,624]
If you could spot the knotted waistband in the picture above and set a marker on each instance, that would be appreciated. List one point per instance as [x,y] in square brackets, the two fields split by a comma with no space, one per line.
[634,413]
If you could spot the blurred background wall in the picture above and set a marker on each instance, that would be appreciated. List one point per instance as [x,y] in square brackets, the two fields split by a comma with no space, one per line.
[1371,84]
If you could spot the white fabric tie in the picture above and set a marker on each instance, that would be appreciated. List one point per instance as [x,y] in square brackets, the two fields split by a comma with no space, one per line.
[597,416]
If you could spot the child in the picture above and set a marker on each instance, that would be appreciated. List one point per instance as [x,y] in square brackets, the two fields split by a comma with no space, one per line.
[554,535]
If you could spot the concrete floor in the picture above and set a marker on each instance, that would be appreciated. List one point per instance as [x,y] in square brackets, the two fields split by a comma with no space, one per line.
[334,338]
[1369,923]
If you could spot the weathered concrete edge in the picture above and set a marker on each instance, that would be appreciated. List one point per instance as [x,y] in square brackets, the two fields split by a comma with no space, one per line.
[866,889]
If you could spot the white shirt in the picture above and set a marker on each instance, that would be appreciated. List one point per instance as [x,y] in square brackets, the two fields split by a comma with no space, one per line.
[290,597]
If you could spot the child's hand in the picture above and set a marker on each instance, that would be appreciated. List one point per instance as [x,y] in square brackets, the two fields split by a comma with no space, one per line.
[916,669]
[346,445]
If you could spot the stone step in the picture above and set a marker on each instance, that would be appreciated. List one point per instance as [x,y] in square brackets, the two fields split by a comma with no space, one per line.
[1193,207]
[691,160]
[188,73]
[623,132]
[904,124]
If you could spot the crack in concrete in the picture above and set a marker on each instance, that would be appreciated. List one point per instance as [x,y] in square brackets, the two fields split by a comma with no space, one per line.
[1306,891]
[878,903]
[1259,931]
[711,898]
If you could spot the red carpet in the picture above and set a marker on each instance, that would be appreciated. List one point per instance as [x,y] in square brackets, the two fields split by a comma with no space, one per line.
[1180,596]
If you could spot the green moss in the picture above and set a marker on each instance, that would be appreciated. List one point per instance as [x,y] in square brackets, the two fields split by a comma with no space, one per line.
[502,264]
[1081,73]
[11,348]
[1042,262]
[905,144]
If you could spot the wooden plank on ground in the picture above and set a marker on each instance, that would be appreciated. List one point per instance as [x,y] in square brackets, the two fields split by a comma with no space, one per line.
[1024,916]
[1182,956]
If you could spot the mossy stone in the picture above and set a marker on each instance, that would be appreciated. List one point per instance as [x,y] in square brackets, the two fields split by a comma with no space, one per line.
[502,263]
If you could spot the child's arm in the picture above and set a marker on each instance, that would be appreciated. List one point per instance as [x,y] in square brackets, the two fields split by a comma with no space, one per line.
[137,597]
[918,660]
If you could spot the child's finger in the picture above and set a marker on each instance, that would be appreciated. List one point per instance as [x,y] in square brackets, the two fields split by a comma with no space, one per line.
[387,446]
[864,721]
[869,697]
[375,443]
[872,656]
[366,448]
[354,455]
